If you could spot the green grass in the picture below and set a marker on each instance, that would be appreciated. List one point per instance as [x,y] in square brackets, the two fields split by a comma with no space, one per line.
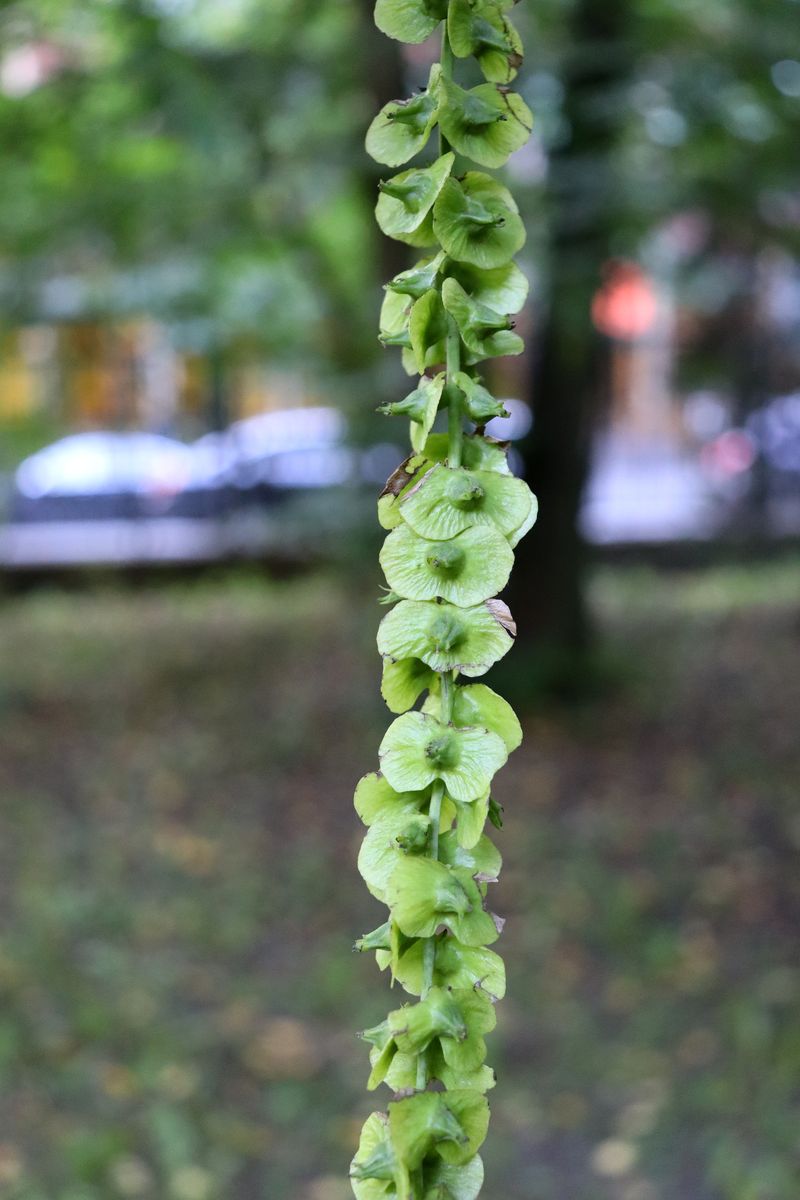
[178,896]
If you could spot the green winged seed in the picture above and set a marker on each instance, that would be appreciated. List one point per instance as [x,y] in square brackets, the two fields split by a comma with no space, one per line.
[378,939]
[410,21]
[399,942]
[483,860]
[481,1079]
[402,127]
[404,682]
[518,534]
[420,430]
[475,967]
[381,1060]
[394,317]
[448,500]
[479,403]
[374,798]
[446,637]
[456,966]
[483,331]
[423,894]
[427,328]
[447,1024]
[414,1026]
[376,1173]
[446,1182]
[504,289]
[453,1124]
[378,1035]
[477,704]
[465,569]
[388,511]
[402,1071]
[421,1124]
[478,453]
[415,405]
[401,1074]
[413,837]
[470,820]
[407,199]
[467,1054]
[421,406]
[417,749]
[476,220]
[472,1113]
[408,361]
[417,279]
[383,843]
[480,29]
[486,124]
[495,813]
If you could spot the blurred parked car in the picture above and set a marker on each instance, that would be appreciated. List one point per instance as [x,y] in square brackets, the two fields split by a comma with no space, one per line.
[129,475]
[95,476]
[296,448]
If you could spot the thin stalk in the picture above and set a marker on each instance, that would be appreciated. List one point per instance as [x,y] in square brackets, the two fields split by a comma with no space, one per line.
[429,949]
[446,678]
[454,424]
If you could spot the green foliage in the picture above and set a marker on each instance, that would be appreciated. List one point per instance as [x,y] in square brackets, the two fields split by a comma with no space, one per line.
[176,159]
[453,511]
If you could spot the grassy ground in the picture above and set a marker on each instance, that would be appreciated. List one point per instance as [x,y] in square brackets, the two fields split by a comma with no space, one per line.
[178,897]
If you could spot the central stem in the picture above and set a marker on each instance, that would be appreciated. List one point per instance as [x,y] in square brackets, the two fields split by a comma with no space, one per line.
[446,678]
[454,426]
[447,695]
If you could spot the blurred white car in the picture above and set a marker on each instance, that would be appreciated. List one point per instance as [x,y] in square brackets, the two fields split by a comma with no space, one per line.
[129,475]
[101,475]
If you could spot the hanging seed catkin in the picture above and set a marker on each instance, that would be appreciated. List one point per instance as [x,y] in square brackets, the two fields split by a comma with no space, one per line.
[453,514]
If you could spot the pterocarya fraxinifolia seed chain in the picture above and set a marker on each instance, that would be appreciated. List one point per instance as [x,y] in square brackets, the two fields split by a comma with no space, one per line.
[454,513]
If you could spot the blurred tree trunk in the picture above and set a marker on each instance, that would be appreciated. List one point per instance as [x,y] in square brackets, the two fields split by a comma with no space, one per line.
[570,365]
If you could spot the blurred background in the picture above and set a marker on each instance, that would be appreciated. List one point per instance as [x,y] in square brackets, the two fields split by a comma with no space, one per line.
[189,454]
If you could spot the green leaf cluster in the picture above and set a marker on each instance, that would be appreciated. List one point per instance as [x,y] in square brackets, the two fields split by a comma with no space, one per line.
[453,514]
